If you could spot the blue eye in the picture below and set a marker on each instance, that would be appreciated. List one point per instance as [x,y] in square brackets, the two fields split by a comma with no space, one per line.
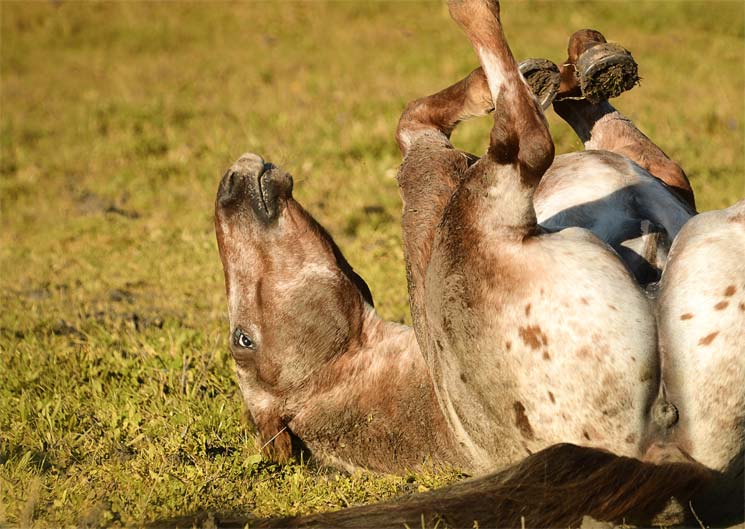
[241,339]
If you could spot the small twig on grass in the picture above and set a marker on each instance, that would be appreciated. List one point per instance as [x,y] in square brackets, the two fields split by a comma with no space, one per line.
[696,516]
[273,438]
[185,431]
[184,368]
[343,498]
[176,477]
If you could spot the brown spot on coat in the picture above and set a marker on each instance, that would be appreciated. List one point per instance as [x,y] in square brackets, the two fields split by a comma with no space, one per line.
[533,336]
[706,340]
[551,396]
[686,316]
[586,435]
[508,345]
[546,356]
[730,291]
[613,307]
[522,422]
[721,305]
[530,337]
[584,301]
[527,309]
[631,438]
[741,306]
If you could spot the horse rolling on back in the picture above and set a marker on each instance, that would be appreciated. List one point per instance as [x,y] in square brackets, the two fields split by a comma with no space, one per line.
[538,350]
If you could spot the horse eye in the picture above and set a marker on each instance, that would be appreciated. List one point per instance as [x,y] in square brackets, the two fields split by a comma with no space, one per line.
[241,339]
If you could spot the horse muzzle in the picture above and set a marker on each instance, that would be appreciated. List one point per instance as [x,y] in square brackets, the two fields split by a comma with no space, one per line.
[251,183]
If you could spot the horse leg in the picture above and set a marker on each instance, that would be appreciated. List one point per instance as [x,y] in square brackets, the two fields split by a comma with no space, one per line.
[520,143]
[701,314]
[491,200]
[601,127]
[438,114]
[431,170]
[518,349]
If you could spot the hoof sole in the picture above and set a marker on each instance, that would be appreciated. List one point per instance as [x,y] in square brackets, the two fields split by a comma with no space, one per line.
[606,71]
[543,78]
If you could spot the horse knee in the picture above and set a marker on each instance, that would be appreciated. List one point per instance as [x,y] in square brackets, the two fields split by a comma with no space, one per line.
[420,118]
[408,124]
[522,138]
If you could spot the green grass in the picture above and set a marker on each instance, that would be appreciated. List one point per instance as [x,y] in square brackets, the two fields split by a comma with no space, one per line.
[117,397]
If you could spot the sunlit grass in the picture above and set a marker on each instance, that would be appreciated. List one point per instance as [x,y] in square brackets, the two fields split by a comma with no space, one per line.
[117,397]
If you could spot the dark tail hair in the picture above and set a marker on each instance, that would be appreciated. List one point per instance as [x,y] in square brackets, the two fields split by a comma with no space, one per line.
[555,487]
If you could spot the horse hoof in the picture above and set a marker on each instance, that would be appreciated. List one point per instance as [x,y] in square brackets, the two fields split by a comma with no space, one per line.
[606,70]
[543,78]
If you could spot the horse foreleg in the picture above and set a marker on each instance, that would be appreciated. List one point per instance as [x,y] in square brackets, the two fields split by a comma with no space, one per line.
[431,170]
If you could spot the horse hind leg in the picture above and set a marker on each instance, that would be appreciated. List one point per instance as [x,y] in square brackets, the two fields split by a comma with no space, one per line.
[432,169]
[645,255]
[520,145]
[598,124]
[701,317]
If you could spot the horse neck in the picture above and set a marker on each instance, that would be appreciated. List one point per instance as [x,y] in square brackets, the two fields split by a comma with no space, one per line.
[385,349]
[375,405]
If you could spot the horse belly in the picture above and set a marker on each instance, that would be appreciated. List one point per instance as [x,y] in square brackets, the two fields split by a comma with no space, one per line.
[621,203]
[560,347]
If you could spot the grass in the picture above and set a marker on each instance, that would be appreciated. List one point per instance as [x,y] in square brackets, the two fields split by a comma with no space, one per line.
[118,403]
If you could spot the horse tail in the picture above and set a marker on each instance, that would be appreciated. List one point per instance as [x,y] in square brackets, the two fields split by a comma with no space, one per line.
[555,487]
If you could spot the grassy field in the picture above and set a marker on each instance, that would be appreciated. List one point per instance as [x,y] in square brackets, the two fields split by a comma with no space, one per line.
[118,403]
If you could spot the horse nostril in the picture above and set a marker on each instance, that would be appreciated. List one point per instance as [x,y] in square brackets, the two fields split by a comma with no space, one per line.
[248,166]
[232,189]
[227,187]
[253,184]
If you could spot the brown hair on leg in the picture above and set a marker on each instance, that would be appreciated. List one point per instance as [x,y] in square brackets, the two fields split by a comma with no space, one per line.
[441,112]
[520,133]
[602,127]
[431,170]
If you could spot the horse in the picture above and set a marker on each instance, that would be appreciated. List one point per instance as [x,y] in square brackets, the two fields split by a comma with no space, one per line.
[577,328]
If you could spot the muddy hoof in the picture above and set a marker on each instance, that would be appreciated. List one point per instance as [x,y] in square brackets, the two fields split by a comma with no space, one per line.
[543,78]
[605,71]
